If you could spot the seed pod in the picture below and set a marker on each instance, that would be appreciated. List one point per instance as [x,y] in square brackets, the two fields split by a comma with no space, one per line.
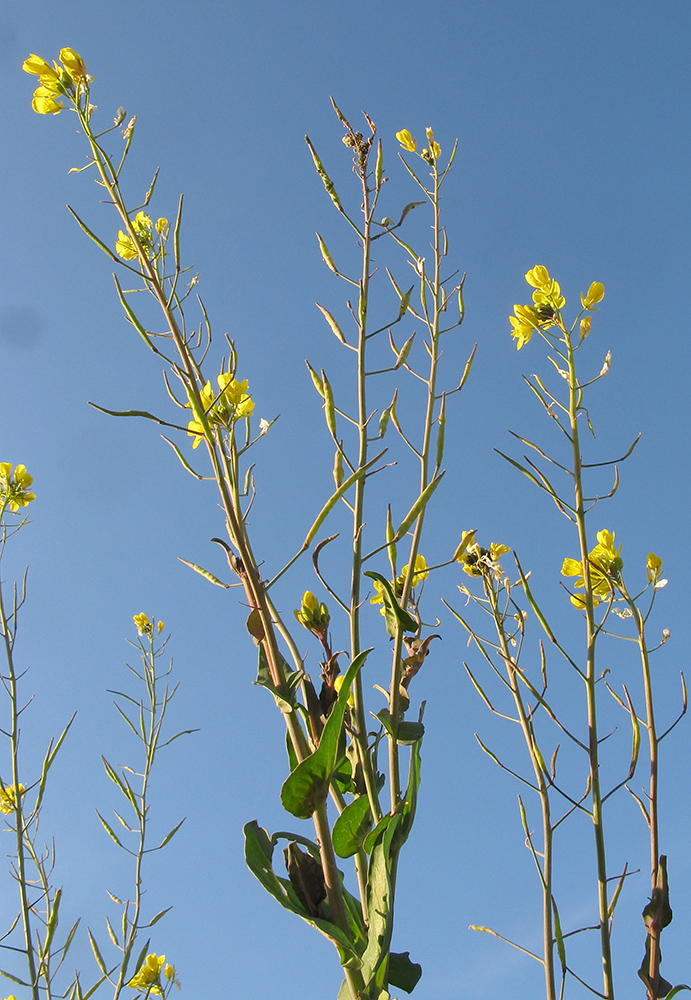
[329,407]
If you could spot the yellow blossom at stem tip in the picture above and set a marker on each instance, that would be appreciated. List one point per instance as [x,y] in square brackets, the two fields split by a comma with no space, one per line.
[596,293]
[653,566]
[14,487]
[148,976]
[145,625]
[406,140]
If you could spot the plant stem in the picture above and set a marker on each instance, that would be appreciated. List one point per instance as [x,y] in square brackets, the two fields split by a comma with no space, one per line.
[575,394]
[8,634]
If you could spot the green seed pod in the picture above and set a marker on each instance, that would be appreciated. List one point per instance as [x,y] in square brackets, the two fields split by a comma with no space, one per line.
[338,467]
[316,379]
[326,256]
[329,408]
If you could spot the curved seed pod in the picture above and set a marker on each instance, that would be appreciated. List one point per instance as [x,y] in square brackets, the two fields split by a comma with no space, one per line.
[316,379]
[335,328]
[329,407]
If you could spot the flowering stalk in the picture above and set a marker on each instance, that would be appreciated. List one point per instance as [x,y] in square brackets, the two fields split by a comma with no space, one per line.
[39,901]
[147,727]
[509,624]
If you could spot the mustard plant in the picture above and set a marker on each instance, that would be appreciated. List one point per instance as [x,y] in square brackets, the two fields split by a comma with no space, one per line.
[602,599]
[34,933]
[334,742]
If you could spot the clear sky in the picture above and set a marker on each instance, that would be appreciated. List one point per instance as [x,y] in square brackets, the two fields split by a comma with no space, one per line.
[573,126]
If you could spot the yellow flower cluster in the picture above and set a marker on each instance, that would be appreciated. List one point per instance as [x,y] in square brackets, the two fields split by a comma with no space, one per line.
[313,615]
[144,228]
[477,561]
[14,487]
[66,80]
[232,403]
[409,142]
[605,565]
[542,314]
[547,305]
[8,797]
[420,573]
[144,625]
[148,977]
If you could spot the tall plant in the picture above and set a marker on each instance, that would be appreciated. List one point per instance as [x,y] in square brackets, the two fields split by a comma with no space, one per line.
[334,747]
[600,595]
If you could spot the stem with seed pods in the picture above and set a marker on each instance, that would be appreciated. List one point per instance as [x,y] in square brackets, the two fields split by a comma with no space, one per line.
[8,625]
[590,679]
[224,462]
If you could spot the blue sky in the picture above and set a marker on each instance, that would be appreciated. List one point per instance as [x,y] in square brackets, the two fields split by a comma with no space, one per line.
[573,127]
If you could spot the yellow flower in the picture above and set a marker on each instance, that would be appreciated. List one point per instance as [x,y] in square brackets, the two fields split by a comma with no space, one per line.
[585,327]
[161,626]
[234,397]
[653,566]
[407,140]
[161,226]
[538,277]
[8,797]
[67,79]
[477,561]
[14,491]
[232,403]
[73,63]
[605,564]
[523,322]
[39,67]
[496,550]
[596,293]
[338,684]
[547,295]
[194,427]
[143,623]
[43,102]
[148,977]
[125,246]
[421,571]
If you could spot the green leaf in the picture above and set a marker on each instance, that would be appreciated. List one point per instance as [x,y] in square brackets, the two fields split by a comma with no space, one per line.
[351,827]
[410,798]
[406,733]
[308,784]
[258,856]
[393,612]
[379,908]
[285,700]
[402,972]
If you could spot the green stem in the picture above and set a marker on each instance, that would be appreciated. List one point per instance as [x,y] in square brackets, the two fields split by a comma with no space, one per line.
[20,831]
[575,394]
[543,791]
